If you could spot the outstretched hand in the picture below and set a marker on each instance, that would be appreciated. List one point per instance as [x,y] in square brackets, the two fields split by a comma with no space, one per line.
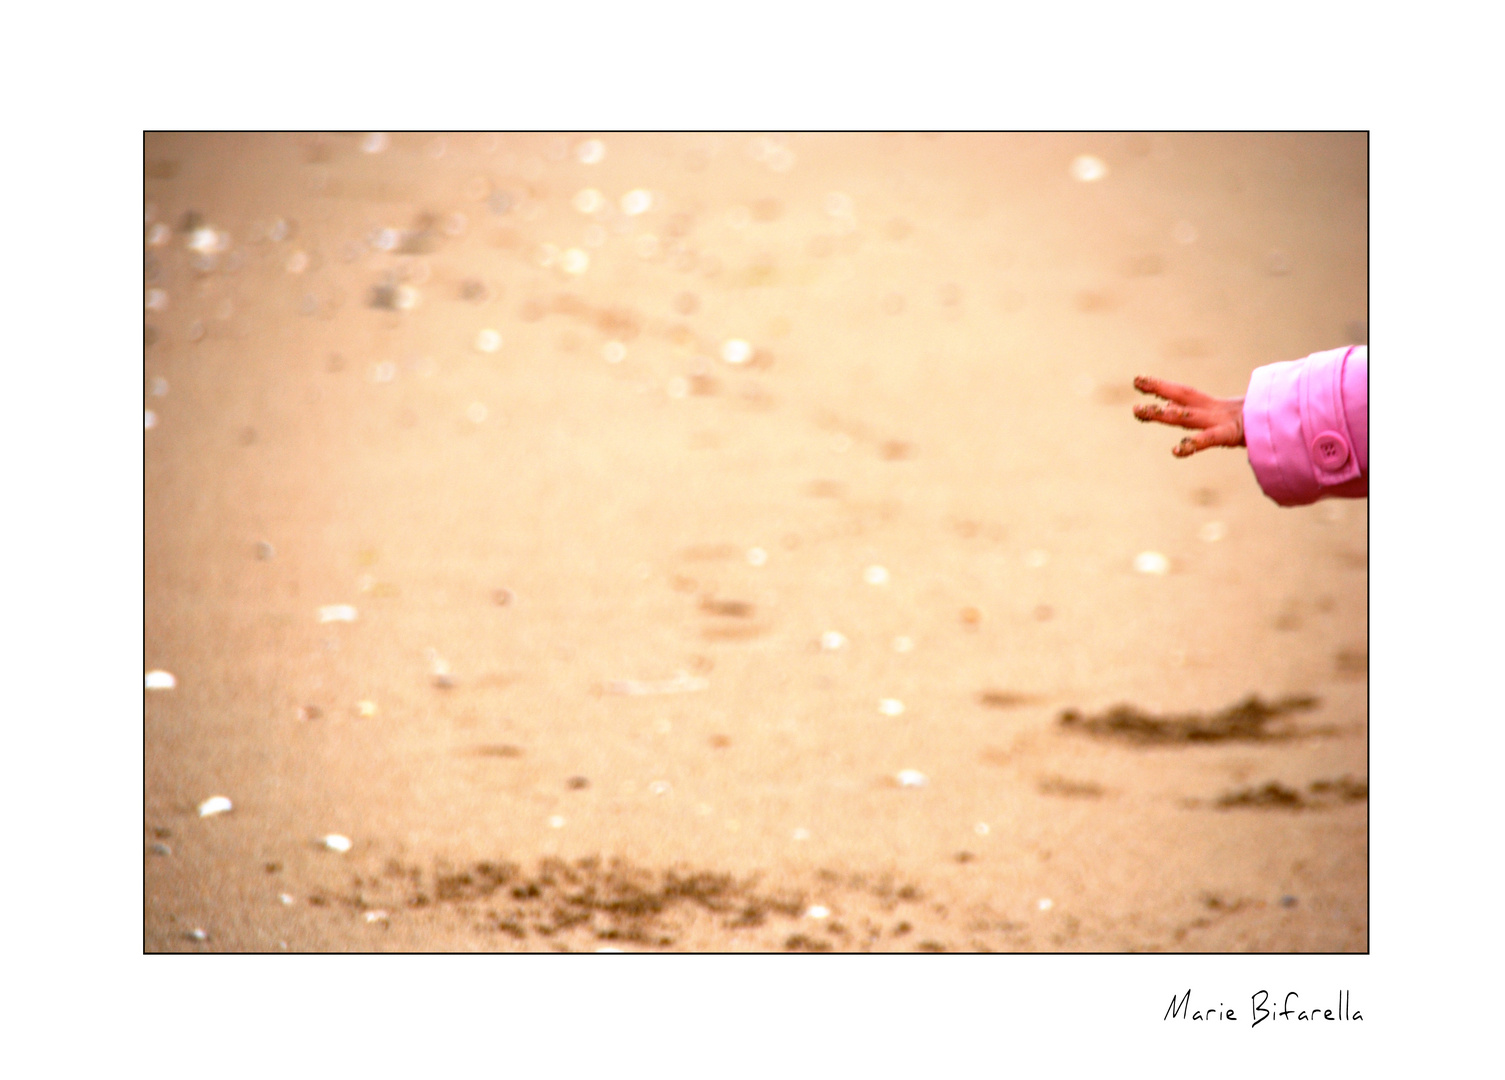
[1220,421]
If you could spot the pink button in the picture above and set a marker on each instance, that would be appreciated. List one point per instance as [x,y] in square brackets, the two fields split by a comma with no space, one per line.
[1330,451]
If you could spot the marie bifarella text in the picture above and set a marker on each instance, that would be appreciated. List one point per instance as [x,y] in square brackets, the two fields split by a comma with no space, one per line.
[1264,1006]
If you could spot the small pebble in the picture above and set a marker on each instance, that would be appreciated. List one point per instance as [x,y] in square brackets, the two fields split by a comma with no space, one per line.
[1213,531]
[575,261]
[384,372]
[1036,559]
[216,804]
[891,706]
[375,142]
[336,613]
[159,387]
[376,916]
[903,644]
[591,152]
[265,551]
[160,680]
[799,834]
[287,900]
[1151,562]
[832,640]
[756,556]
[366,709]
[659,787]
[614,352]
[488,341]
[476,413]
[577,783]
[736,351]
[875,575]
[336,842]
[556,822]
[156,300]
[197,934]
[981,828]
[160,848]
[589,201]
[1288,901]
[912,778]
[151,420]
[817,911]
[637,201]
[1046,903]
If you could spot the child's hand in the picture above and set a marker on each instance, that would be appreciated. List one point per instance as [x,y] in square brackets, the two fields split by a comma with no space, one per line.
[1221,420]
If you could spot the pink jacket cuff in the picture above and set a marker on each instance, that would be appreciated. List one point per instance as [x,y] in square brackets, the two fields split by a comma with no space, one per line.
[1306,423]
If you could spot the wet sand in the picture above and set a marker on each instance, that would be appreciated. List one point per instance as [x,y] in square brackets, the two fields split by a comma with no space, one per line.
[624,671]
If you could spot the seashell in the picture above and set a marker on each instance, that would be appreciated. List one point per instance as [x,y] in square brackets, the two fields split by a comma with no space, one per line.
[216,804]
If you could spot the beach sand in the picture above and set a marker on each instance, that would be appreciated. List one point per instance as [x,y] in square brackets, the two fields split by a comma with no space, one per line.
[728,523]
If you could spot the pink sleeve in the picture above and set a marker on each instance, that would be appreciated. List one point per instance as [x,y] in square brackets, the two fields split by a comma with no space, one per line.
[1306,423]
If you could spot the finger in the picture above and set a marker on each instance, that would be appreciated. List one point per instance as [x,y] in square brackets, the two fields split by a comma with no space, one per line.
[1177,415]
[1182,395]
[1222,435]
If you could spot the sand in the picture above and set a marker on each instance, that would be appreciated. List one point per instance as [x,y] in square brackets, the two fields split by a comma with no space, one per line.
[622,673]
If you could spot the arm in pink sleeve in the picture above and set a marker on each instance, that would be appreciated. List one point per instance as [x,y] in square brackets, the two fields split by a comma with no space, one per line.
[1306,423]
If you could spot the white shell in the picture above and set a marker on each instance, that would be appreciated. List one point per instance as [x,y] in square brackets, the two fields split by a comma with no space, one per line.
[216,804]
[336,842]
[1151,562]
[912,778]
[160,680]
[1087,168]
[336,613]
[891,706]
[817,911]
[488,341]
[736,351]
[875,575]
[832,640]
